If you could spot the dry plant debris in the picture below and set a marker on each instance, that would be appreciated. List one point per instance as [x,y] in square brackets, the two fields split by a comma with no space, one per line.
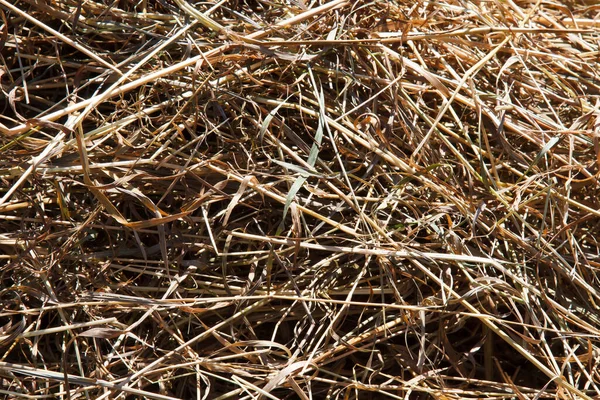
[299,199]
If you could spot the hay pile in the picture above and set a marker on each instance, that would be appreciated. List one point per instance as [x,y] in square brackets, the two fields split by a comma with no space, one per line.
[299,199]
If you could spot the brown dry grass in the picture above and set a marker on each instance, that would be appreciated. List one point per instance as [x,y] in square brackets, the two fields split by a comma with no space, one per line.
[299,199]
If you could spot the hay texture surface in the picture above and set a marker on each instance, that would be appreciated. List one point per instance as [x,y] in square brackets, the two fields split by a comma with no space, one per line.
[299,199]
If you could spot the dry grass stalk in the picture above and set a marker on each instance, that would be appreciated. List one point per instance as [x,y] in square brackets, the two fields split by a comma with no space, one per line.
[294,199]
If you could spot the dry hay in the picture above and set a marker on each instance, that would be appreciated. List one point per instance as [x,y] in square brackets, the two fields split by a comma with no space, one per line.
[299,199]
